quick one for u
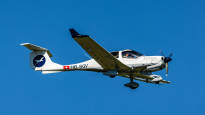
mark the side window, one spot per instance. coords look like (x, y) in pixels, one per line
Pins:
(128, 54)
(115, 54)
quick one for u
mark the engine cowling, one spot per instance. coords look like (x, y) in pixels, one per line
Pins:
(155, 67)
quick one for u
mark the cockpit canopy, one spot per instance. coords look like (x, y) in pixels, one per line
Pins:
(130, 54)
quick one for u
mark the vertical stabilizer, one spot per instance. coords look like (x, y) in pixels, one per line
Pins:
(40, 59)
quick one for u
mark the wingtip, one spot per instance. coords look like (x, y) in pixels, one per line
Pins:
(74, 33)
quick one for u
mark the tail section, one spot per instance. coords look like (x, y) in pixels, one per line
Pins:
(40, 59)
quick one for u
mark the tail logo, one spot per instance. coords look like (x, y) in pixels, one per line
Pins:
(39, 61)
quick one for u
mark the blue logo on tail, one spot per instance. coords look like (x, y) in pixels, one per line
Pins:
(39, 61)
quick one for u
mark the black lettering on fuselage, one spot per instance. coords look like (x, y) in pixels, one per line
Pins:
(81, 66)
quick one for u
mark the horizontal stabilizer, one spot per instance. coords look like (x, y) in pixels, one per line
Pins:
(36, 48)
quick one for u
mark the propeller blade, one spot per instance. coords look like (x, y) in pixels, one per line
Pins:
(166, 69)
(166, 60)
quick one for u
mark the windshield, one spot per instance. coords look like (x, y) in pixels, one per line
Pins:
(131, 54)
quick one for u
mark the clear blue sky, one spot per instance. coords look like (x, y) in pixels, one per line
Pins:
(146, 26)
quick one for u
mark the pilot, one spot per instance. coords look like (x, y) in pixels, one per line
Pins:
(127, 55)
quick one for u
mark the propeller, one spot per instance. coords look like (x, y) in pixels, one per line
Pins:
(166, 60)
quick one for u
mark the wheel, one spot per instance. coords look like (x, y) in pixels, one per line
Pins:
(112, 76)
(157, 82)
(132, 85)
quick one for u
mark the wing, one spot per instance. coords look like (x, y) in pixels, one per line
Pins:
(104, 58)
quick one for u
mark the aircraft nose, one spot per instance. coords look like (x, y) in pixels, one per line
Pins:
(156, 59)
(166, 59)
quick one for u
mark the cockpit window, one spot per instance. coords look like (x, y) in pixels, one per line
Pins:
(131, 54)
(115, 54)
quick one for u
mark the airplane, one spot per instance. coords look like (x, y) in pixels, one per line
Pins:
(125, 63)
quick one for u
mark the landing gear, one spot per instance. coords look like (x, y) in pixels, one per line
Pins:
(112, 76)
(132, 84)
(157, 82)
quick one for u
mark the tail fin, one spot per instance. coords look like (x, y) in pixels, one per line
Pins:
(40, 59)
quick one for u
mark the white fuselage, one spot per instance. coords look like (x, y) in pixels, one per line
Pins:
(153, 63)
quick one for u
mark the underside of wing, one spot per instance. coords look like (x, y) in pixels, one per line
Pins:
(101, 56)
